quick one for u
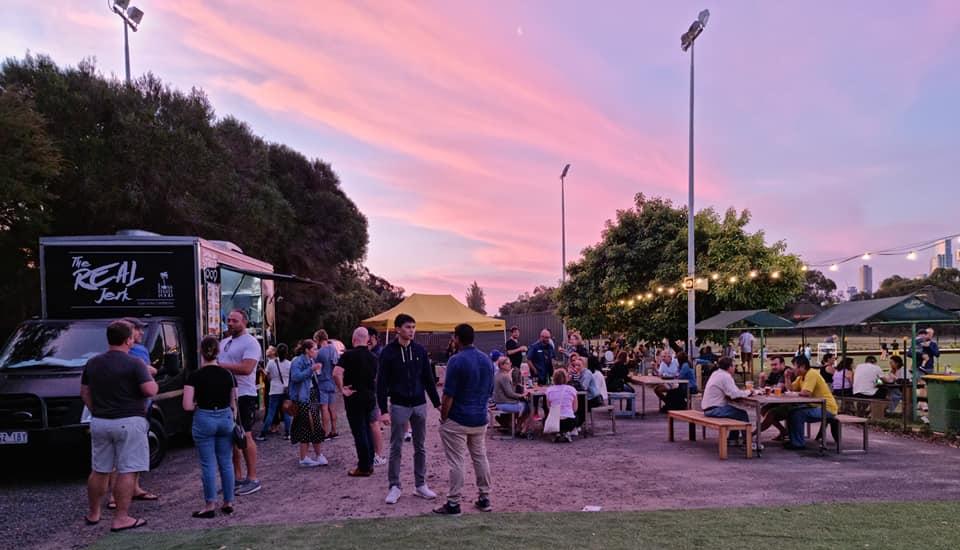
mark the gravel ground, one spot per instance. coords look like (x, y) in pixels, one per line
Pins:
(43, 504)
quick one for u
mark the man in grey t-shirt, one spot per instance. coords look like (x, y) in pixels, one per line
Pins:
(115, 387)
(239, 353)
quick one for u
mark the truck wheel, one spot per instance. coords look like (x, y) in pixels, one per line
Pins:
(158, 442)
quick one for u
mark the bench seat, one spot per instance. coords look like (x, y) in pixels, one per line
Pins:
(723, 425)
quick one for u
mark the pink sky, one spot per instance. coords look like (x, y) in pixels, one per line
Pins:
(449, 122)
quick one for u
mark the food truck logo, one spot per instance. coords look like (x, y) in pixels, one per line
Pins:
(164, 288)
(112, 281)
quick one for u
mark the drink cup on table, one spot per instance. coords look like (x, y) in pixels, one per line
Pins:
(749, 385)
(778, 390)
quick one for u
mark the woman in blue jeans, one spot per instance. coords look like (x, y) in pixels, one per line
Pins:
(211, 393)
(278, 372)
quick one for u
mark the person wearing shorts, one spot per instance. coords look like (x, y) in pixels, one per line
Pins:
(115, 388)
(240, 353)
(327, 356)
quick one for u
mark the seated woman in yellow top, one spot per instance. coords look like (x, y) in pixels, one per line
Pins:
(810, 384)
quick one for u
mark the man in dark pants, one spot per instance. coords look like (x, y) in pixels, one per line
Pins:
(355, 378)
(405, 376)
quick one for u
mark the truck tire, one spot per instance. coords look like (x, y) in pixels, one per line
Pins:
(157, 438)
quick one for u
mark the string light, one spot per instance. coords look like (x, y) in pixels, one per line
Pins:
(630, 303)
(912, 256)
(733, 279)
(671, 290)
(649, 296)
(804, 268)
(659, 290)
(621, 302)
(715, 276)
(639, 297)
(834, 267)
(775, 275)
(753, 273)
(866, 256)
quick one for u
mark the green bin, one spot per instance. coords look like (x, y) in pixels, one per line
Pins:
(943, 398)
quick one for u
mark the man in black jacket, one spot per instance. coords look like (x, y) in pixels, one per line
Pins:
(405, 376)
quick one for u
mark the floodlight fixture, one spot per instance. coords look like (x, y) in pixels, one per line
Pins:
(134, 15)
(121, 4)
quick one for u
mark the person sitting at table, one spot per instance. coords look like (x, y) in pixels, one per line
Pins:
(778, 373)
(828, 367)
(866, 378)
(720, 395)
(897, 375)
(843, 378)
(506, 397)
(563, 397)
(618, 379)
(667, 368)
(707, 357)
(583, 380)
(810, 384)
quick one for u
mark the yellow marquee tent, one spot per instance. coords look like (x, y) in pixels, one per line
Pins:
(435, 313)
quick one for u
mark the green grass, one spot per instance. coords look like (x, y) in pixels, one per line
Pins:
(928, 526)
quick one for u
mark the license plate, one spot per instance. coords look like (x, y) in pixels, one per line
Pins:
(13, 438)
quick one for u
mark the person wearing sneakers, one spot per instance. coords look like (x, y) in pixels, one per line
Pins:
(463, 419)
(406, 378)
(355, 377)
(327, 356)
(239, 353)
(307, 427)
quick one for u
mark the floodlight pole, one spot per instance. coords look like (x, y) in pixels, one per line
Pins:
(691, 267)
(563, 245)
(126, 48)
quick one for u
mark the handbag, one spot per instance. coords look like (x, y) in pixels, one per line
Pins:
(289, 406)
(239, 436)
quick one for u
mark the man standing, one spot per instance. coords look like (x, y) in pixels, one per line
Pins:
(404, 376)
(114, 387)
(746, 351)
(540, 356)
(239, 353)
(463, 419)
(515, 351)
(328, 357)
(355, 376)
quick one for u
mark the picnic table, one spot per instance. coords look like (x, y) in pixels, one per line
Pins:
(644, 381)
(760, 400)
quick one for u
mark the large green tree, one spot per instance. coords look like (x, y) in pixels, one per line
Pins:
(149, 156)
(476, 299)
(542, 299)
(645, 248)
(946, 279)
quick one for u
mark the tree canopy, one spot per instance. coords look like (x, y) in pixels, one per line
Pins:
(543, 299)
(645, 247)
(81, 154)
(476, 299)
(946, 279)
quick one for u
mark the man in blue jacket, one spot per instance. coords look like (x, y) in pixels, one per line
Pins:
(405, 377)
(540, 355)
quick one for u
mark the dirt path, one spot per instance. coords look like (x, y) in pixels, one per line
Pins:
(635, 470)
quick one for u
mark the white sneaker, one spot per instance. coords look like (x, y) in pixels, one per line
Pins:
(393, 495)
(424, 492)
(757, 446)
(379, 460)
(408, 436)
(308, 463)
(321, 460)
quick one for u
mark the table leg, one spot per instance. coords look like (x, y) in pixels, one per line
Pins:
(823, 426)
(689, 403)
(759, 424)
(643, 400)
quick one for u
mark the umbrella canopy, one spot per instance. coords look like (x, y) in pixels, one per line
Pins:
(746, 318)
(435, 313)
(895, 310)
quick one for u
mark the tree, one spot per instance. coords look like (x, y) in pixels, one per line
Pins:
(543, 299)
(645, 247)
(476, 299)
(946, 279)
(819, 289)
(152, 157)
(29, 165)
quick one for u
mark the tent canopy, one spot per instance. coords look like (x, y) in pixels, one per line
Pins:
(895, 310)
(746, 318)
(435, 313)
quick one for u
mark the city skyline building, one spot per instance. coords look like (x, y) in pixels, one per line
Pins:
(866, 279)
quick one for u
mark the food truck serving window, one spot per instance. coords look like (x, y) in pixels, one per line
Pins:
(242, 291)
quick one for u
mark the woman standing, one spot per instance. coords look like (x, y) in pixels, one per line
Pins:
(278, 373)
(211, 392)
(307, 425)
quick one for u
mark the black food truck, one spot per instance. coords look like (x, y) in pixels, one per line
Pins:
(181, 287)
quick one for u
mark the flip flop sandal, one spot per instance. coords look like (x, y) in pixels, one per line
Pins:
(136, 524)
(146, 496)
(89, 521)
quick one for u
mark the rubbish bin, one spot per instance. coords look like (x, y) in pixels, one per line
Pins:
(943, 399)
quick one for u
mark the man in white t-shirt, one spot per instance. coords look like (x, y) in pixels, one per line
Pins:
(746, 351)
(865, 378)
(240, 353)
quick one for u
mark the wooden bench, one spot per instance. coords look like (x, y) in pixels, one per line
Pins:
(846, 419)
(496, 411)
(723, 425)
(601, 409)
(628, 397)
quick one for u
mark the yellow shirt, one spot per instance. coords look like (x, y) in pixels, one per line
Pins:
(813, 383)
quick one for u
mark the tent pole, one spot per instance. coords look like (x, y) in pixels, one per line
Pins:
(916, 371)
(843, 342)
(763, 345)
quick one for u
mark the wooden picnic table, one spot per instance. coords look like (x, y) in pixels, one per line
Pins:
(541, 392)
(760, 400)
(644, 381)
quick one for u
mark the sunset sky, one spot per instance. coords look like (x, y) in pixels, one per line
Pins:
(449, 122)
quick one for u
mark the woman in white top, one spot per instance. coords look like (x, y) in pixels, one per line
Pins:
(563, 397)
(278, 373)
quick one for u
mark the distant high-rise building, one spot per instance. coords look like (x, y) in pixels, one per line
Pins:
(866, 279)
(943, 258)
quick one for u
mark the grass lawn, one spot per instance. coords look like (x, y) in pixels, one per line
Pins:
(925, 525)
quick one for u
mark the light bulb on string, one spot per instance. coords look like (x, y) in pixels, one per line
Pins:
(753, 273)
(912, 256)
(804, 268)
(834, 267)
(630, 303)
(659, 290)
(715, 276)
(621, 302)
(733, 279)
(671, 290)
(866, 257)
(649, 296)
(639, 297)
(775, 275)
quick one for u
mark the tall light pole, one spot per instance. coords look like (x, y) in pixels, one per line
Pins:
(131, 17)
(686, 43)
(563, 242)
